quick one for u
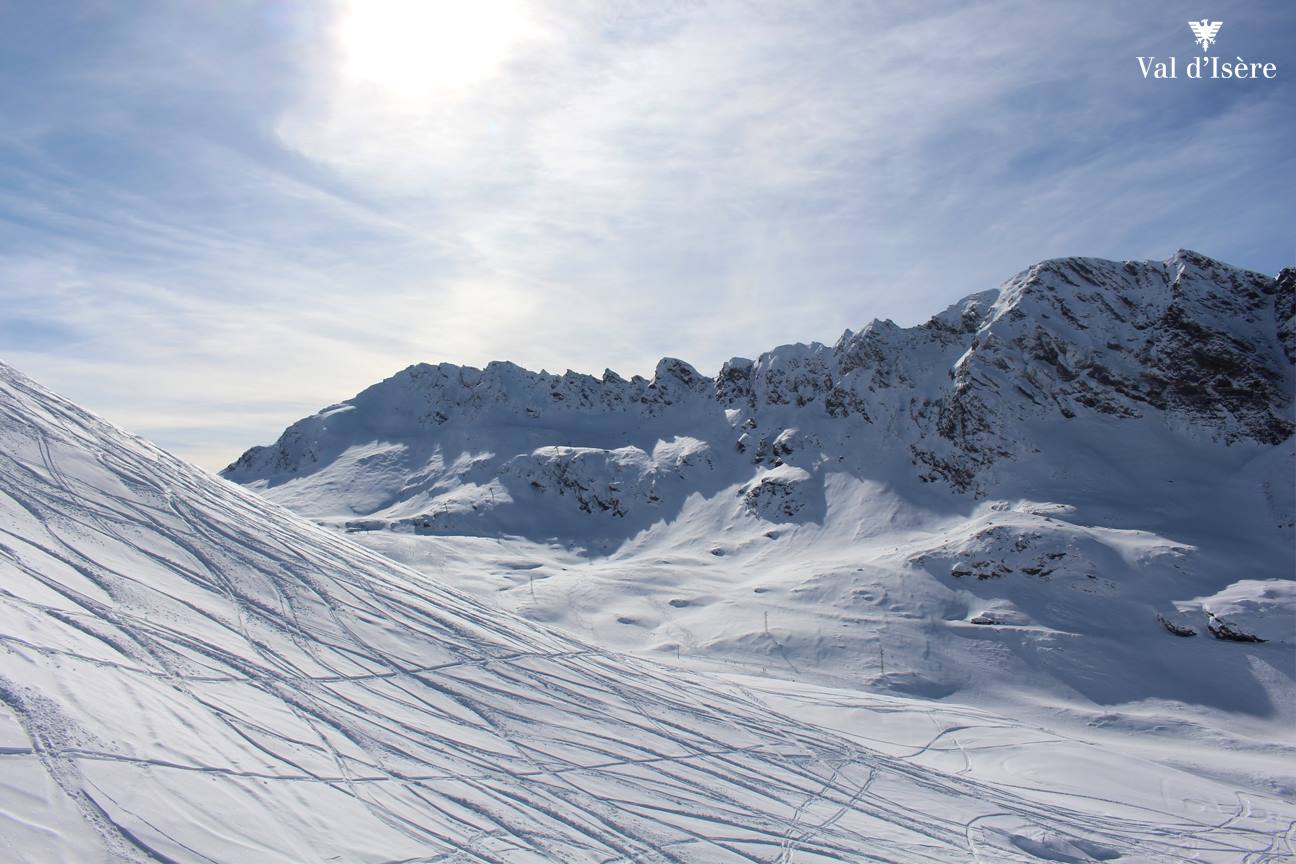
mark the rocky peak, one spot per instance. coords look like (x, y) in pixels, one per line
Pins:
(1190, 337)
(733, 386)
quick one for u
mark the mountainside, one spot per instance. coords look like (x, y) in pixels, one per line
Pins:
(188, 673)
(1042, 483)
(1191, 345)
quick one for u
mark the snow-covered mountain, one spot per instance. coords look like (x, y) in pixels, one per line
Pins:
(1041, 484)
(1190, 344)
(189, 673)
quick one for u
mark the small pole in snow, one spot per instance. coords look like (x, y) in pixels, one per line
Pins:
(766, 622)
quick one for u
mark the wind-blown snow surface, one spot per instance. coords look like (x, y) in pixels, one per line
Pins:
(188, 673)
(1022, 496)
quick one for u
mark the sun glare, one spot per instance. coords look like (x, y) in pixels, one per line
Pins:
(416, 47)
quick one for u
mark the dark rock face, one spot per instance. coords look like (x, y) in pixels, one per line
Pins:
(1285, 311)
(1193, 340)
(776, 497)
(1176, 629)
(733, 386)
(1206, 357)
(1226, 632)
(1190, 343)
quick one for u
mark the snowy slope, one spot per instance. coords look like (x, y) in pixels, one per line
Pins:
(1013, 496)
(188, 673)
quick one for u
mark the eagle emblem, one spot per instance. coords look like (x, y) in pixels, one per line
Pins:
(1205, 31)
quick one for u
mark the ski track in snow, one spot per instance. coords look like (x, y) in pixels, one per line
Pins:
(188, 673)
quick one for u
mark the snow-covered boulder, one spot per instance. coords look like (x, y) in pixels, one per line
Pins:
(1249, 610)
(779, 494)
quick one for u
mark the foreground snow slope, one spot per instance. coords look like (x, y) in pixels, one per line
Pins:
(188, 673)
(1013, 496)
(191, 674)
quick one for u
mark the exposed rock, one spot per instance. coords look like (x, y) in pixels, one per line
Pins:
(1176, 629)
(1227, 632)
(777, 494)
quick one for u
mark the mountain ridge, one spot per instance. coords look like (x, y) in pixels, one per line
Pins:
(1201, 346)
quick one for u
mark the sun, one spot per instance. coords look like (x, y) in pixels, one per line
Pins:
(415, 48)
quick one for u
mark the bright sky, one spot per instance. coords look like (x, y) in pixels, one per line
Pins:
(217, 217)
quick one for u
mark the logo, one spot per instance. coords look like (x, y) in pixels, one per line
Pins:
(1205, 31)
(1206, 65)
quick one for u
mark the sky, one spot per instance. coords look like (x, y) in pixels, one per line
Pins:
(218, 217)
